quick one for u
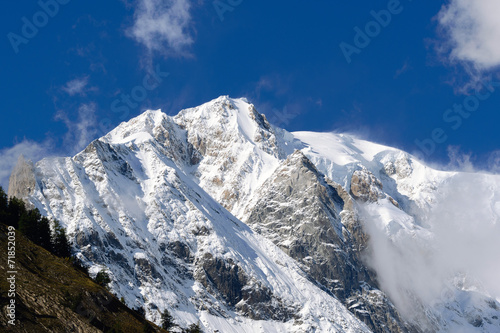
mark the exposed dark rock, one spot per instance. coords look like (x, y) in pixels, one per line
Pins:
(226, 276)
(172, 138)
(181, 250)
(113, 241)
(314, 221)
(91, 237)
(119, 259)
(249, 297)
(145, 270)
(201, 231)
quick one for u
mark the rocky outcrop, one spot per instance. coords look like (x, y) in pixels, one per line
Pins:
(300, 212)
(22, 179)
(313, 220)
(247, 296)
(365, 186)
(401, 167)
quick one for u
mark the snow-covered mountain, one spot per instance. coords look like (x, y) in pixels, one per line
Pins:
(217, 215)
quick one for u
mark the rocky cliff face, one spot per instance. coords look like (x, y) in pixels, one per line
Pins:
(313, 220)
(22, 179)
(217, 215)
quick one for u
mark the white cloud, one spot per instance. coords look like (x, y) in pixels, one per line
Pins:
(472, 32)
(163, 25)
(76, 86)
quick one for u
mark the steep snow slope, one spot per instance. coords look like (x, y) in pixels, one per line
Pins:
(159, 203)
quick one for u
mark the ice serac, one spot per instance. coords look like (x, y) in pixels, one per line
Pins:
(219, 216)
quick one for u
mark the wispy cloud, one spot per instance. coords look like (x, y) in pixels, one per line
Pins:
(77, 86)
(471, 31)
(80, 131)
(163, 26)
(406, 66)
(494, 162)
(459, 160)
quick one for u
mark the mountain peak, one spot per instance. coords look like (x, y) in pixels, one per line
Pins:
(226, 118)
(140, 128)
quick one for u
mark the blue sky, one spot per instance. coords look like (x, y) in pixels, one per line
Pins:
(68, 65)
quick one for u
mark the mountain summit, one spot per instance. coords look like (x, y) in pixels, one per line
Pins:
(219, 216)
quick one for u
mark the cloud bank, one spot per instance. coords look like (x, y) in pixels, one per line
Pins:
(453, 264)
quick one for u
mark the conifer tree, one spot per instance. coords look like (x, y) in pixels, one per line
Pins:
(28, 220)
(102, 278)
(194, 328)
(4, 205)
(167, 321)
(16, 209)
(60, 245)
(37, 228)
(43, 234)
(4, 202)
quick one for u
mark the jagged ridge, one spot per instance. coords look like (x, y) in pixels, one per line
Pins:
(160, 201)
